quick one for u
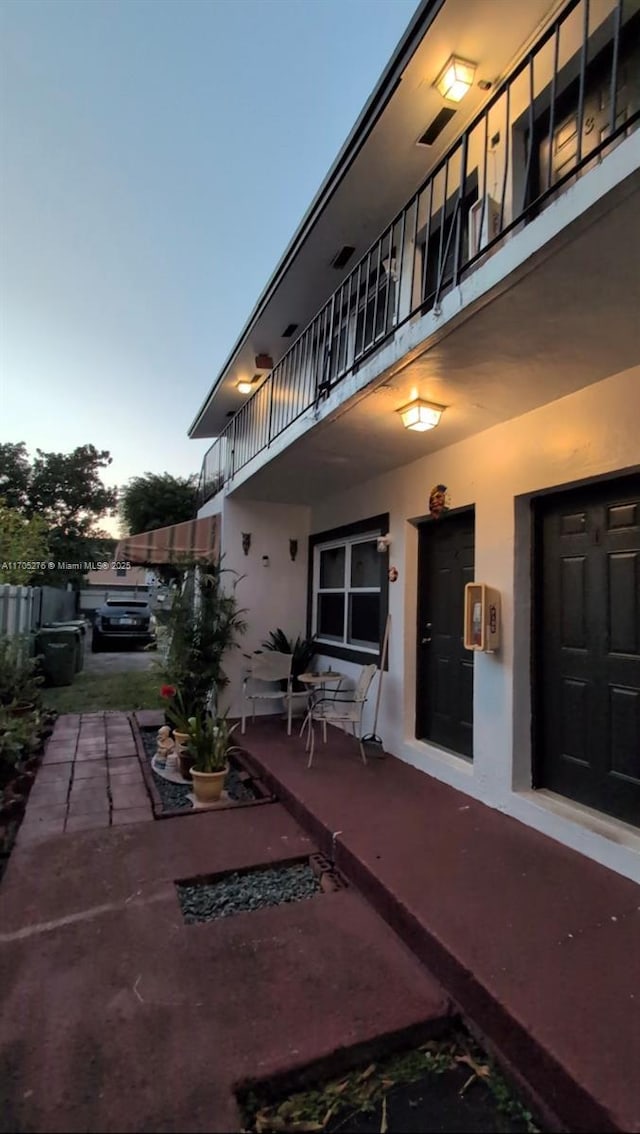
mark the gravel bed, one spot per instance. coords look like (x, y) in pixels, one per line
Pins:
(252, 890)
(174, 796)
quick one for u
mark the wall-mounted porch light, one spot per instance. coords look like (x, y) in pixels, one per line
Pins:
(455, 79)
(420, 415)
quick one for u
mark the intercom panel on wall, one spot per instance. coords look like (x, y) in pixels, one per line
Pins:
(481, 617)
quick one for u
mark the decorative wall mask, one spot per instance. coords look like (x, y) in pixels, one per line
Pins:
(293, 549)
(438, 501)
(393, 574)
(246, 542)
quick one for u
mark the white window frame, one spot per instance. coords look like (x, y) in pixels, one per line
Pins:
(346, 542)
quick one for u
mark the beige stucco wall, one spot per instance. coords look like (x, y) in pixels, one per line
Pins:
(588, 434)
(274, 592)
(108, 578)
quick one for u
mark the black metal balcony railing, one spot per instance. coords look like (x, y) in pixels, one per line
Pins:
(570, 100)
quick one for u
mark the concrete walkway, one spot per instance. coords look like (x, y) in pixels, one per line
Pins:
(90, 778)
(120, 660)
(539, 946)
(117, 1016)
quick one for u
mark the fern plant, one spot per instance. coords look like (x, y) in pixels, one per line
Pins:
(303, 650)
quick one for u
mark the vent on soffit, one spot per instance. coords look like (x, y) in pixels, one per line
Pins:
(289, 329)
(437, 126)
(342, 257)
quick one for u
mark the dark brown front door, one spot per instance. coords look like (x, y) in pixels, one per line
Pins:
(588, 647)
(444, 708)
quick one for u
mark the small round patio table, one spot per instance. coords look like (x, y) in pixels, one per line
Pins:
(318, 682)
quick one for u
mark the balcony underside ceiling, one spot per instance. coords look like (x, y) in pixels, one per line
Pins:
(572, 321)
(387, 170)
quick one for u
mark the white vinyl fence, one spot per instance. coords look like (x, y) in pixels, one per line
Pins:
(19, 609)
(90, 598)
(23, 609)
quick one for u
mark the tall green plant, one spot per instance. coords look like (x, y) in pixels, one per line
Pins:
(206, 622)
(209, 743)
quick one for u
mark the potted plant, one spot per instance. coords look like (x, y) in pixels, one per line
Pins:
(209, 747)
(303, 650)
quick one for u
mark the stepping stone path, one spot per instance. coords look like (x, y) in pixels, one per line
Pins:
(90, 778)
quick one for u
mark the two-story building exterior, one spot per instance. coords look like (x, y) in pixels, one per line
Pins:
(458, 317)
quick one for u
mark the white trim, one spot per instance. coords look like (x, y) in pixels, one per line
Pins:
(347, 542)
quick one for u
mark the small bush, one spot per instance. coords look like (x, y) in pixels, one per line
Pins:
(19, 679)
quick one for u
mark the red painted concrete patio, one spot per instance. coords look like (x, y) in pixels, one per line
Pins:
(117, 1016)
(539, 946)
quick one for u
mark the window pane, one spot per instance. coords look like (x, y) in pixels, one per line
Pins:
(332, 567)
(364, 620)
(365, 564)
(331, 617)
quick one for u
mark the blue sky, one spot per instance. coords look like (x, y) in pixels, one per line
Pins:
(156, 157)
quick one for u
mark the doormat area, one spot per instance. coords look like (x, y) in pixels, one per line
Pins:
(207, 899)
(172, 796)
(446, 1085)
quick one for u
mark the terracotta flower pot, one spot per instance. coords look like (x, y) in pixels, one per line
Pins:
(185, 759)
(207, 786)
(22, 710)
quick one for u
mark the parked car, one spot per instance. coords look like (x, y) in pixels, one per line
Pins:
(123, 620)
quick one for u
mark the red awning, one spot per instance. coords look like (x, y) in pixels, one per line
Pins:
(179, 543)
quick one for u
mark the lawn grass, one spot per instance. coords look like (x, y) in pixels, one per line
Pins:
(94, 692)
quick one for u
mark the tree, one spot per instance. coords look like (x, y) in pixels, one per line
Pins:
(15, 472)
(66, 492)
(22, 542)
(157, 500)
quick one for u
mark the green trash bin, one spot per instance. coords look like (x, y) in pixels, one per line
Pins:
(80, 625)
(59, 662)
(68, 636)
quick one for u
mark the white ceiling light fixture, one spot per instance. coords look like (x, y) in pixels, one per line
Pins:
(455, 79)
(244, 387)
(420, 415)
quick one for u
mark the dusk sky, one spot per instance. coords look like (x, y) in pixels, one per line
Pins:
(156, 157)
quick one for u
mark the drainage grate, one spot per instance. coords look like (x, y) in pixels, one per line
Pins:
(207, 899)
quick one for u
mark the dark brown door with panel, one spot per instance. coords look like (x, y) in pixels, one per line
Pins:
(587, 653)
(444, 703)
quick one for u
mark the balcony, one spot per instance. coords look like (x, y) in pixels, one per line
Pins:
(569, 102)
